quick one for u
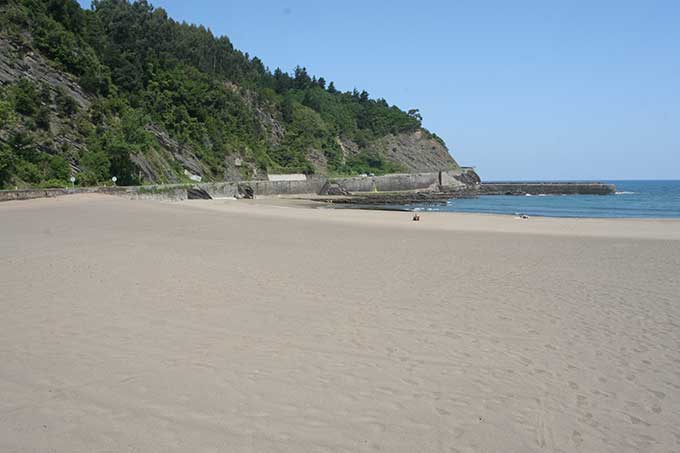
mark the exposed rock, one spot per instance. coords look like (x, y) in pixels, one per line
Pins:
(154, 166)
(318, 160)
(196, 193)
(419, 151)
(245, 191)
(17, 62)
(275, 130)
(184, 155)
(348, 147)
(398, 198)
(469, 177)
(333, 188)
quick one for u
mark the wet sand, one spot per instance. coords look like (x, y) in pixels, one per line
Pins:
(266, 326)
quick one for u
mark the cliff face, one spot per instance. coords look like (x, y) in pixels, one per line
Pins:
(419, 151)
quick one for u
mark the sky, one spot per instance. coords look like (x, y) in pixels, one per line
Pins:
(519, 90)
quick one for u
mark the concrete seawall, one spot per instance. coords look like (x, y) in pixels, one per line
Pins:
(548, 188)
(389, 183)
(314, 184)
(28, 194)
(449, 179)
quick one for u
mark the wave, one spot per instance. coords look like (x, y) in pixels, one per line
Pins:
(624, 192)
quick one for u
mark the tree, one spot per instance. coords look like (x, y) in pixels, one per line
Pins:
(302, 79)
(22, 143)
(331, 88)
(7, 116)
(42, 118)
(321, 82)
(65, 103)
(25, 97)
(363, 97)
(120, 164)
(45, 94)
(94, 167)
(7, 160)
(58, 168)
(415, 113)
(281, 81)
(287, 107)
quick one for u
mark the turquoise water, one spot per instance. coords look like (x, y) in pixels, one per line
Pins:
(633, 199)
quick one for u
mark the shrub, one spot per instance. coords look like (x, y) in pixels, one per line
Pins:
(27, 171)
(65, 103)
(25, 97)
(42, 118)
(58, 168)
(7, 160)
(94, 168)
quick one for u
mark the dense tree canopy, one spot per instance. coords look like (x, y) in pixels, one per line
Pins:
(142, 67)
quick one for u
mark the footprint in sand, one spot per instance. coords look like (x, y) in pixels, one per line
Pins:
(577, 438)
(660, 395)
(638, 421)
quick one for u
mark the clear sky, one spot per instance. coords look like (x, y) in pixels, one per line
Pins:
(521, 90)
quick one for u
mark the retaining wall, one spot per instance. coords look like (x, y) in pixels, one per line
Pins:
(27, 194)
(389, 183)
(312, 185)
(404, 181)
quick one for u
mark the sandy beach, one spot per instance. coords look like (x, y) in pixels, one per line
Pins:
(266, 326)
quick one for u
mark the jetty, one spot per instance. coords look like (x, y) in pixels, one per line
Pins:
(546, 188)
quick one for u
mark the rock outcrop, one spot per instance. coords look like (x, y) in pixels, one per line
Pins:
(197, 193)
(17, 62)
(418, 151)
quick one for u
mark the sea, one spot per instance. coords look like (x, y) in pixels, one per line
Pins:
(633, 199)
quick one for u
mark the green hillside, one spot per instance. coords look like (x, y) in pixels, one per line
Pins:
(124, 90)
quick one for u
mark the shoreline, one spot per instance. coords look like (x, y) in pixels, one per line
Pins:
(293, 207)
(322, 202)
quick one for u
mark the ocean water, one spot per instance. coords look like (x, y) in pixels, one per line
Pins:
(633, 199)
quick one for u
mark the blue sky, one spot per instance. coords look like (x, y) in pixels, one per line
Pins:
(521, 90)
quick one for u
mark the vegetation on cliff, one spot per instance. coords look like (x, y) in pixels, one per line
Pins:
(146, 77)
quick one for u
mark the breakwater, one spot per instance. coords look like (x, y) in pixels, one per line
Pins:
(548, 188)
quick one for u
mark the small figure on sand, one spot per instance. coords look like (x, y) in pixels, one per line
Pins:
(416, 217)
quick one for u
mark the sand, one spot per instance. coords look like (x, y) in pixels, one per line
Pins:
(142, 326)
